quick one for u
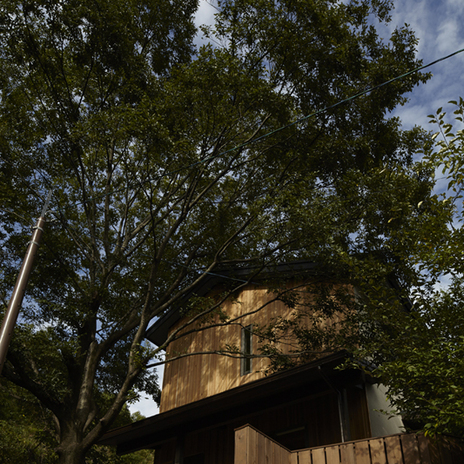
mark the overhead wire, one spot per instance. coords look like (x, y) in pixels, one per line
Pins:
(280, 129)
(269, 134)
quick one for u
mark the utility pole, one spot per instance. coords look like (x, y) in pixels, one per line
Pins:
(9, 321)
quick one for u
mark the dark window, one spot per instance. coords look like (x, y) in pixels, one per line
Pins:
(247, 349)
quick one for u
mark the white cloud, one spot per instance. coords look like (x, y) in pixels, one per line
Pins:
(204, 17)
(437, 25)
(448, 36)
(205, 12)
(455, 7)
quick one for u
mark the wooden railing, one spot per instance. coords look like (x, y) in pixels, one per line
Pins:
(253, 447)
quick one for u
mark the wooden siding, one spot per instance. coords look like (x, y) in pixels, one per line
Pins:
(251, 446)
(295, 424)
(192, 378)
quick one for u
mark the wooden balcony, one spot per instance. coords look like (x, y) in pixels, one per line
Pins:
(253, 447)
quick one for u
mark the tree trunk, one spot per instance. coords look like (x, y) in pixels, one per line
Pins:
(69, 454)
(71, 450)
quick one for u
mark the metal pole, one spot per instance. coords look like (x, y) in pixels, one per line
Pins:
(9, 321)
(340, 405)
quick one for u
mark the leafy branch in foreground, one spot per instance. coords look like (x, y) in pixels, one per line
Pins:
(418, 352)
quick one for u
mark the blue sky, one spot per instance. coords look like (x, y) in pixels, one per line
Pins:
(439, 26)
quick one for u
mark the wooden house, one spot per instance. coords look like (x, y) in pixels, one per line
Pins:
(218, 409)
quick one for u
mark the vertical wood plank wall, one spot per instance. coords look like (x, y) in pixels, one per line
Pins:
(217, 443)
(195, 377)
(252, 447)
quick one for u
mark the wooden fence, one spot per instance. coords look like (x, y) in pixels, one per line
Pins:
(253, 447)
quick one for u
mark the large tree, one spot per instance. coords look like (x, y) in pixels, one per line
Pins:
(169, 162)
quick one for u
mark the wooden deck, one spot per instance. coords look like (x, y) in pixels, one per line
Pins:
(253, 447)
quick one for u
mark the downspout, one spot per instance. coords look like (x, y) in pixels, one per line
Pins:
(341, 414)
(179, 453)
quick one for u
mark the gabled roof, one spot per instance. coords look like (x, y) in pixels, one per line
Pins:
(158, 332)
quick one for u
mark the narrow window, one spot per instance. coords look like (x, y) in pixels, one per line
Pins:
(247, 348)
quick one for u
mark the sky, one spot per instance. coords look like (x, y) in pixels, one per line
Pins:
(439, 26)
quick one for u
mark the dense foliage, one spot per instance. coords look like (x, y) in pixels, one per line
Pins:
(168, 162)
(28, 433)
(419, 353)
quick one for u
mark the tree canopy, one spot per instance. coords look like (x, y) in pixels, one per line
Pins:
(169, 161)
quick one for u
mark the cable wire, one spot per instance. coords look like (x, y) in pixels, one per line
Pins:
(280, 129)
(262, 137)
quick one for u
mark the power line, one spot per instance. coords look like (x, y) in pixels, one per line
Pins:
(269, 134)
(280, 129)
